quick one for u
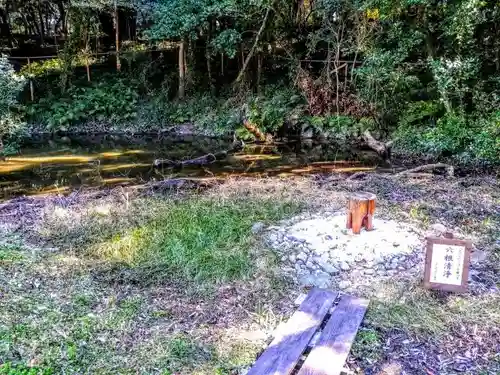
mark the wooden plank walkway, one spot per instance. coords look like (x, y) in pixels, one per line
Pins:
(284, 352)
(329, 353)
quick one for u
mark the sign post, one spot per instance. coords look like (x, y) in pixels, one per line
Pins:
(447, 264)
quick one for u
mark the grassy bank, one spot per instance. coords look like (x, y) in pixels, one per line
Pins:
(127, 283)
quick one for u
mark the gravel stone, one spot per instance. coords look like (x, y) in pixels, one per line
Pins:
(344, 284)
(328, 268)
(315, 248)
(258, 227)
(344, 266)
(302, 256)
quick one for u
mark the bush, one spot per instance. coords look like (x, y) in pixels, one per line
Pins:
(11, 86)
(486, 141)
(112, 100)
(469, 139)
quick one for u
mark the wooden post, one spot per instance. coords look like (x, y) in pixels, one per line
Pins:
(361, 209)
(32, 90)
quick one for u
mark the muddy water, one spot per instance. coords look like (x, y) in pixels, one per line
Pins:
(60, 165)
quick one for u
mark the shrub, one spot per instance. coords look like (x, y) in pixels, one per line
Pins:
(469, 139)
(486, 141)
(111, 100)
(275, 106)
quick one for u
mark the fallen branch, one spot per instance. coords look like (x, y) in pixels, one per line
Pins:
(429, 167)
(201, 160)
(357, 175)
(177, 183)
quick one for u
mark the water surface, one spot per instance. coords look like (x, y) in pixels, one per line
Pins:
(60, 165)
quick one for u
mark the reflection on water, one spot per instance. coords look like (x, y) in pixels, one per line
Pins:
(60, 165)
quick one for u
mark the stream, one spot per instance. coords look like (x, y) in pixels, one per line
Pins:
(60, 165)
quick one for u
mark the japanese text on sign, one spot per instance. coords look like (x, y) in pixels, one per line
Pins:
(447, 264)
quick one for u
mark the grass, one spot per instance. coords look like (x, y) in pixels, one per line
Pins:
(368, 345)
(129, 282)
(413, 309)
(204, 240)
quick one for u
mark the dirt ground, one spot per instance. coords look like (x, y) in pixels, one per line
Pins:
(70, 307)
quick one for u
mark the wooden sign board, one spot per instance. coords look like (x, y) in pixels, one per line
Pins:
(447, 264)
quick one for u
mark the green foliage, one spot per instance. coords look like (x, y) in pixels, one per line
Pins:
(452, 78)
(11, 86)
(43, 67)
(18, 369)
(385, 82)
(113, 100)
(270, 110)
(485, 143)
(226, 42)
(338, 128)
(471, 139)
(421, 113)
(368, 345)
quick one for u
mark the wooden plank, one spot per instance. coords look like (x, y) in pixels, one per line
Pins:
(331, 351)
(282, 355)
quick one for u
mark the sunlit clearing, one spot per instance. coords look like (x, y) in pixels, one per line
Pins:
(122, 248)
(115, 154)
(303, 170)
(13, 167)
(324, 357)
(344, 170)
(103, 209)
(348, 162)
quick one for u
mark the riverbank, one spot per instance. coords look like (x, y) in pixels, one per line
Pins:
(155, 281)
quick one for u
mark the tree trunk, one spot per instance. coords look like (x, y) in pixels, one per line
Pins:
(182, 70)
(209, 62)
(117, 37)
(5, 27)
(256, 42)
(42, 25)
(259, 71)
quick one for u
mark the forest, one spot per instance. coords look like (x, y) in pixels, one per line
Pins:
(420, 77)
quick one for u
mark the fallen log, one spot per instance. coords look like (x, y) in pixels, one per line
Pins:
(255, 131)
(201, 160)
(449, 169)
(383, 149)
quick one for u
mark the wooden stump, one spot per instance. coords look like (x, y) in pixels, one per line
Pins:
(360, 212)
